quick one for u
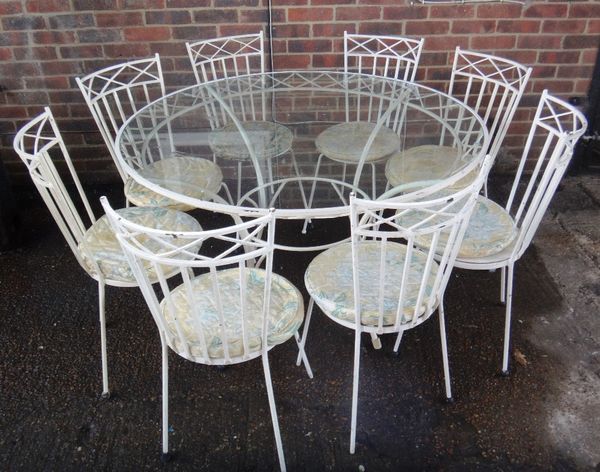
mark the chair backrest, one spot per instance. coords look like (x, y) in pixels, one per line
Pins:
(35, 143)
(117, 92)
(189, 254)
(230, 56)
(426, 229)
(548, 150)
(492, 86)
(388, 56)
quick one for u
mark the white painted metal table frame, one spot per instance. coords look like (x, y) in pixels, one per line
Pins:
(400, 95)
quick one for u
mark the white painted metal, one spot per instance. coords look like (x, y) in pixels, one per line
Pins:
(35, 144)
(398, 223)
(230, 56)
(548, 150)
(241, 246)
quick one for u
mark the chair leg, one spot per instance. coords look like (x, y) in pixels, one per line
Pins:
(509, 290)
(398, 339)
(267, 370)
(355, 379)
(444, 351)
(302, 342)
(503, 285)
(165, 456)
(376, 341)
(311, 195)
(101, 309)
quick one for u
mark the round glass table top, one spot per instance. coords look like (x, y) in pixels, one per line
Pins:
(299, 142)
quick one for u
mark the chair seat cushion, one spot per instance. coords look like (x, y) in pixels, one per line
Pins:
(286, 312)
(426, 162)
(329, 282)
(490, 230)
(190, 176)
(267, 138)
(345, 142)
(100, 244)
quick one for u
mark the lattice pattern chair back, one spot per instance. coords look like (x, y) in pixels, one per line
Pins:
(492, 86)
(388, 56)
(181, 313)
(230, 56)
(35, 143)
(417, 287)
(117, 92)
(548, 150)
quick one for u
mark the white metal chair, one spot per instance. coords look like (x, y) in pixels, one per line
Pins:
(231, 57)
(497, 236)
(493, 87)
(226, 310)
(382, 282)
(92, 241)
(117, 92)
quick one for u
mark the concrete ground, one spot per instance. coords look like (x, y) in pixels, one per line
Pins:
(546, 415)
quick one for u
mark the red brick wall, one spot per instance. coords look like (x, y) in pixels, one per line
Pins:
(45, 44)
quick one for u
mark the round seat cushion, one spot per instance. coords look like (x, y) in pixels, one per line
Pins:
(345, 142)
(329, 281)
(428, 162)
(190, 176)
(286, 312)
(100, 244)
(267, 138)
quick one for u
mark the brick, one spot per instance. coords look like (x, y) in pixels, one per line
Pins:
(119, 19)
(215, 16)
(23, 23)
(452, 11)
(35, 53)
(46, 6)
(142, 4)
(470, 26)
(357, 13)
(547, 10)
(230, 30)
(18, 69)
(129, 50)
(581, 42)
(151, 33)
(10, 8)
(499, 11)
(6, 54)
(558, 57)
(525, 57)
(575, 71)
(79, 20)
(47, 83)
(446, 43)
(299, 30)
(174, 17)
(524, 26)
(563, 26)
(493, 42)
(188, 3)
(376, 27)
(544, 72)
(238, 3)
(328, 61)
(62, 68)
(434, 59)
(555, 86)
(404, 13)
(83, 52)
(593, 27)
(27, 97)
(292, 61)
(589, 56)
(194, 33)
(539, 42)
(582, 86)
(13, 38)
(280, 46)
(585, 10)
(253, 16)
(310, 45)
(310, 14)
(80, 5)
(13, 112)
(428, 27)
(53, 37)
(104, 35)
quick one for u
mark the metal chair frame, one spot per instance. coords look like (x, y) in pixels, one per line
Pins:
(558, 126)
(244, 246)
(443, 220)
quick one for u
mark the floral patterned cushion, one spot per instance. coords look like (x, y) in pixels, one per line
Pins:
(100, 244)
(345, 142)
(267, 138)
(187, 175)
(426, 163)
(329, 281)
(285, 315)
